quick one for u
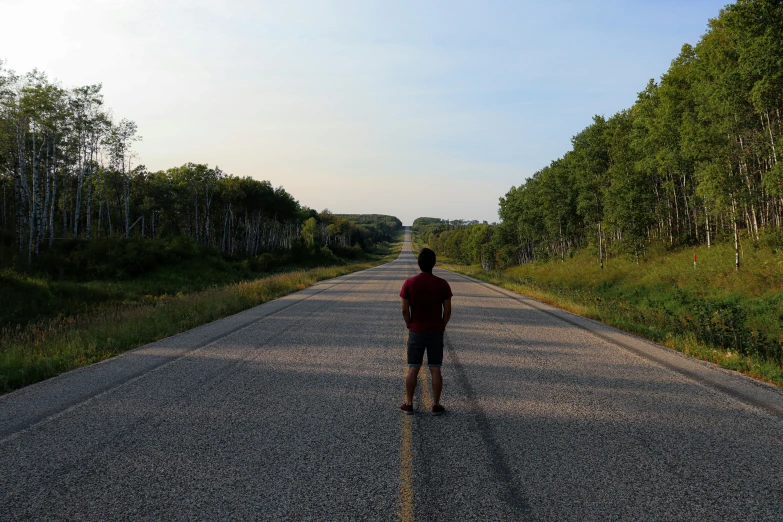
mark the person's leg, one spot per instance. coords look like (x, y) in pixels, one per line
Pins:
(437, 384)
(410, 383)
(415, 358)
(434, 361)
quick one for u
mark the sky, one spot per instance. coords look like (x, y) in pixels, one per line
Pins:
(432, 108)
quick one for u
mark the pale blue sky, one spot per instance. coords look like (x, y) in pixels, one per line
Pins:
(406, 108)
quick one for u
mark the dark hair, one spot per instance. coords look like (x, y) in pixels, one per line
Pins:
(426, 259)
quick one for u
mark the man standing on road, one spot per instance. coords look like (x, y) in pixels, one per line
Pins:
(426, 308)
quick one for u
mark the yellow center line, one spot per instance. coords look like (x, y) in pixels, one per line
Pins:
(406, 472)
(406, 501)
(405, 495)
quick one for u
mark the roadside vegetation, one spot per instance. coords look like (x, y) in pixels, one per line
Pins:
(100, 319)
(709, 311)
(609, 230)
(693, 162)
(75, 276)
(69, 175)
(98, 254)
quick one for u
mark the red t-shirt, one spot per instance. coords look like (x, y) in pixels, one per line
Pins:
(426, 293)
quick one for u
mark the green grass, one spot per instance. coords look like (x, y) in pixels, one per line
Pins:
(712, 312)
(34, 297)
(130, 318)
(81, 276)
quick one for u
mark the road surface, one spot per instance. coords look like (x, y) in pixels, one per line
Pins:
(289, 411)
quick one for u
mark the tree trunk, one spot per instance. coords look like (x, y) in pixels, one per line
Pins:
(126, 191)
(89, 193)
(195, 216)
(600, 247)
(736, 233)
(33, 202)
(65, 203)
(100, 218)
(108, 217)
(140, 218)
(54, 204)
(562, 245)
(47, 181)
(24, 190)
(771, 138)
(79, 188)
(707, 217)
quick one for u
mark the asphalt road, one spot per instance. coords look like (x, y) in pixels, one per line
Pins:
(289, 411)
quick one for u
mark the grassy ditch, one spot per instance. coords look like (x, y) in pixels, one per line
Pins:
(712, 312)
(47, 347)
(77, 277)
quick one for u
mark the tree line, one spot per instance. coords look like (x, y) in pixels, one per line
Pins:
(692, 161)
(68, 171)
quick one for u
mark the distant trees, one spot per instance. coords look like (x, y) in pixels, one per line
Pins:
(344, 230)
(239, 216)
(372, 227)
(695, 158)
(464, 241)
(68, 171)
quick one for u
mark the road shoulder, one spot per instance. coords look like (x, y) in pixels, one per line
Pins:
(754, 393)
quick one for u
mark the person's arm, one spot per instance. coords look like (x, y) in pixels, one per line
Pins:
(446, 312)
(406, 312)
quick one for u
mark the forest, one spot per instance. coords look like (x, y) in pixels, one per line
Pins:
(69, 178)
(98, 254)
(692, 162)
(612, 229)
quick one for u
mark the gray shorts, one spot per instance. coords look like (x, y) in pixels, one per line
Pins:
(431, 342)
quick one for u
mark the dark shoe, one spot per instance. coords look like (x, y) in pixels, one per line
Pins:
(438, 409)
(407, 408)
